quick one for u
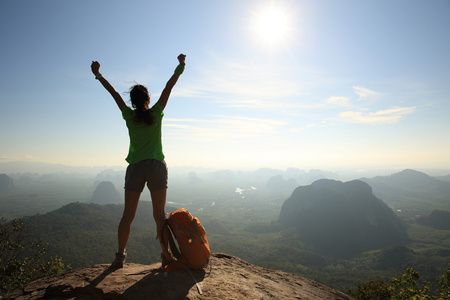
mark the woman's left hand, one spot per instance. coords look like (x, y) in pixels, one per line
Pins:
(181, 59)
(95, 67)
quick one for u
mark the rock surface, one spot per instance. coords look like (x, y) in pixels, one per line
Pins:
(228, 277)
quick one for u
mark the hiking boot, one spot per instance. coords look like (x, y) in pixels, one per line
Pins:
(118, 261)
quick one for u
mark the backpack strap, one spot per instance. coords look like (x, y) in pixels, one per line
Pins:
(165, 250)
(173, 256)
(173, 247)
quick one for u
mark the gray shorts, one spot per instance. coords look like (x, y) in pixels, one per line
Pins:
(150, 171)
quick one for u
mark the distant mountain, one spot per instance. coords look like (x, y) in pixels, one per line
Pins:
(194, 179)
(409, 179)
(412, 192)
(438, 219)
(278, 183)
(6, 183)
(106, 193)
(341, 219)
(46, 168)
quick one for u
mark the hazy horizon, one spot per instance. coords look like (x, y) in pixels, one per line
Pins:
(42, 168)
(348, 85)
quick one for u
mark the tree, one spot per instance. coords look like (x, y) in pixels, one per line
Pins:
(373, 290)
(21, 259)
(406, 286)
(403, 287)
(444, 284)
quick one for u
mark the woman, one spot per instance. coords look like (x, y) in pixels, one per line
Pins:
(145, 156)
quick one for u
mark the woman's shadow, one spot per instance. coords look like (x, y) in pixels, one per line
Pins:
(154, 285)
(175, 285)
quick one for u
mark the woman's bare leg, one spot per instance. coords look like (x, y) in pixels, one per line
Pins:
(159, 211)
(129, 211)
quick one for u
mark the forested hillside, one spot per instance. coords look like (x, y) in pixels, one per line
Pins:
(411, 192)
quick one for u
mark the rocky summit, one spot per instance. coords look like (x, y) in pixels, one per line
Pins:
(227, 277)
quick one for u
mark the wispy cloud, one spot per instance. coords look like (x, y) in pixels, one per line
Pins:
(287, 107)
(363, 92)
(247, 85)
(29, 157)
(224, 128)
(388, 116)
(339, 101)
(18, 157)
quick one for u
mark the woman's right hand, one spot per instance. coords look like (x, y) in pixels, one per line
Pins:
(95, 67)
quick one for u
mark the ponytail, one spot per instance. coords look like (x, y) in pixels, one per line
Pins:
(140, 98)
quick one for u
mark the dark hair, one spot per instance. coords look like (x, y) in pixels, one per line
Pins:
(139, 98)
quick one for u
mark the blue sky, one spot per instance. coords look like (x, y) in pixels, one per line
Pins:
(328, 85)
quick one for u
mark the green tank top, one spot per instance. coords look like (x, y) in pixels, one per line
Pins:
(145, 140)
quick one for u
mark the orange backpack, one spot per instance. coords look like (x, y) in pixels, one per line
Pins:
(193, 247)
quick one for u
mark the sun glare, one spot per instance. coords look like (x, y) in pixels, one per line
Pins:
(271, 25)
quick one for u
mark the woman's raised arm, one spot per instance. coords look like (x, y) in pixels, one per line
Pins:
(172, 81)
(95, 67)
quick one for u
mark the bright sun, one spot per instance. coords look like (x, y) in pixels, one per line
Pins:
(272, 25)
